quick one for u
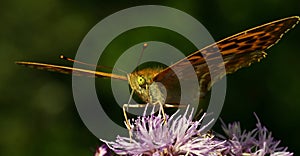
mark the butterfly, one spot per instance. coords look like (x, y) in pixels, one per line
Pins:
(238, 51)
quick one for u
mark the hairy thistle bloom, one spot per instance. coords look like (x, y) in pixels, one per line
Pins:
(258, 142)
(103, 151)
(182, 136)
(179, 136)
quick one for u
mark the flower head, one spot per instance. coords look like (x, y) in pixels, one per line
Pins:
(258, 142)
(179, 136)
(103, 150)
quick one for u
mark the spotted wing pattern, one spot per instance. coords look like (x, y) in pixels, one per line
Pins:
(71, 70)
(237, 51)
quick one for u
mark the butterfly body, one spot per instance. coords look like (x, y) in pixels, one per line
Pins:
(161, 85)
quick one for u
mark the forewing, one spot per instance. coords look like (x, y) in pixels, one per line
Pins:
(70, 70)
(237, 51)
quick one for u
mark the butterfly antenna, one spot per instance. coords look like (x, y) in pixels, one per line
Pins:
(142, 53)
(91, 65)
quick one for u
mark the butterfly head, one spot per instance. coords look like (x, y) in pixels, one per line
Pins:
(140, 81)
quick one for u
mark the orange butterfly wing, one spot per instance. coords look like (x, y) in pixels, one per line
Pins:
(239, 50)
(71, 70)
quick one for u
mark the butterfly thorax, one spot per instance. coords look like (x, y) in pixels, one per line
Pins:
(141, 82)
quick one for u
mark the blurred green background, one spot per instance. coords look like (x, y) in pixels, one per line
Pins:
(38, 115)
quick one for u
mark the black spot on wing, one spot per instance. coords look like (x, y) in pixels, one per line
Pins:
(244, 47)
(251, 41)
(244, 39)
(265, 38)
(232, 46)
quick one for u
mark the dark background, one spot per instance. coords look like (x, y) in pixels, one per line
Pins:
(37, 112)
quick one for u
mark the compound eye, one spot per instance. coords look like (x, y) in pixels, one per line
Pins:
(141, 81)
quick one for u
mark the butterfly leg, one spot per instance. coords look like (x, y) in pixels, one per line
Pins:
(125, 108)
(167, 106)
(161, 110)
